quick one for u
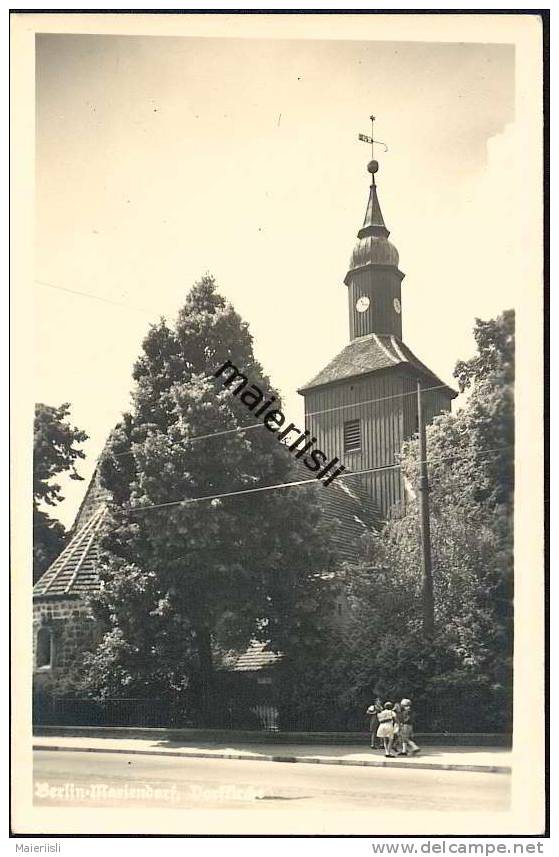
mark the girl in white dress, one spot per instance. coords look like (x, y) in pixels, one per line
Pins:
(386, 719)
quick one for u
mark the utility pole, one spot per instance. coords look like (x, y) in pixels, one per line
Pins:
(428, 600)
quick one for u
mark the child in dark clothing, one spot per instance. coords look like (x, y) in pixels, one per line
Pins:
(373, 711)
(406, 728)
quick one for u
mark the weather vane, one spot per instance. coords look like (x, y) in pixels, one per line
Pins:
(366, 139)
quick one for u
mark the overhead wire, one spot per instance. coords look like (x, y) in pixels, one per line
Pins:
(314, 481)
(238, 429)
(282, 485)
(95, 297)
(221, 433)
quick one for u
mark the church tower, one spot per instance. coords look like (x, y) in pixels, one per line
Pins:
(374, 280)
(363, 405)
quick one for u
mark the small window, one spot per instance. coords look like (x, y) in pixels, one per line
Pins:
(44, 647)
(352, 435)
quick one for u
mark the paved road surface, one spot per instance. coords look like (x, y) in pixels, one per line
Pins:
(79, 779)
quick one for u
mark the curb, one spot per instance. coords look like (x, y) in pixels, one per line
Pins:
(306, 760)
(240, 736)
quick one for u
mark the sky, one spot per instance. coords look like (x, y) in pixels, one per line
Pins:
(159, 159)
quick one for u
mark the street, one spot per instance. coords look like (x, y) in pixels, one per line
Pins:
(79, 779)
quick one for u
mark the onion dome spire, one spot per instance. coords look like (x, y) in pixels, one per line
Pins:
(374, 221)
(372, 247)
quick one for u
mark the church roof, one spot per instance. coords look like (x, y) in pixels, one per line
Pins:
(345, 503)
(372, 353)
(256, 657)
(350, 507)
(95, 498)
(75, 571)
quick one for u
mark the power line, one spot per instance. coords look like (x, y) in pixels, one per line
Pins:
(96, 298)
(314, 481)
(239, 428)
(380, 399)
(198, 437)
(156, 313)
(195, 438)
(430, 458)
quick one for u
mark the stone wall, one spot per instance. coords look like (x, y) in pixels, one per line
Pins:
(72, 631)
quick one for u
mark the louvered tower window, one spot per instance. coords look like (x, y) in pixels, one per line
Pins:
(352, 435)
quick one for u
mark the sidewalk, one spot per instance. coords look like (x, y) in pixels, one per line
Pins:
(479, 759)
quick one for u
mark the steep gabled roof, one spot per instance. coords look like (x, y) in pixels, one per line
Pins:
(256, 657)
(372, 353)
(347, 505)
(75, 571)
(344, 502)
(94, 499)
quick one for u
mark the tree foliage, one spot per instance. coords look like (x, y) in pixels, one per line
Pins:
(462, 679)
(186, 578)
(55, 451)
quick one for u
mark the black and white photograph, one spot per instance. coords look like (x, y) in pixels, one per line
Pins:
(277, 441)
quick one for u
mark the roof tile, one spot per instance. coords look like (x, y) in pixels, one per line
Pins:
(367, 354)
(75, 571)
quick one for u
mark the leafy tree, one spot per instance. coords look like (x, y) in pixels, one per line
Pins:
(495, 358)
(186, 580)
(489, 376)
(55, 451)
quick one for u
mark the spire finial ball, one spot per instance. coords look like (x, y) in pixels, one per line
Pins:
(372, 167)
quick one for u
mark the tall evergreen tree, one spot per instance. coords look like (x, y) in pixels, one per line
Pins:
(184, 580)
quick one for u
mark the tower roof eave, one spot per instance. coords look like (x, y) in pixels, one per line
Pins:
(377, 266)
(369, 354)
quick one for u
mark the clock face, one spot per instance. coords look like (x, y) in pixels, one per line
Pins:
(362, 303)
(397, 306)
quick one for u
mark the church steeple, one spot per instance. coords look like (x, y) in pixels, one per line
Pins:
(373, 279)
(374, 221)
(362, 405)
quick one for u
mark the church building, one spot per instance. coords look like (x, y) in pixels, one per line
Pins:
(361, 407)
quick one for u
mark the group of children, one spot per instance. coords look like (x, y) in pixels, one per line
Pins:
(393, 726)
